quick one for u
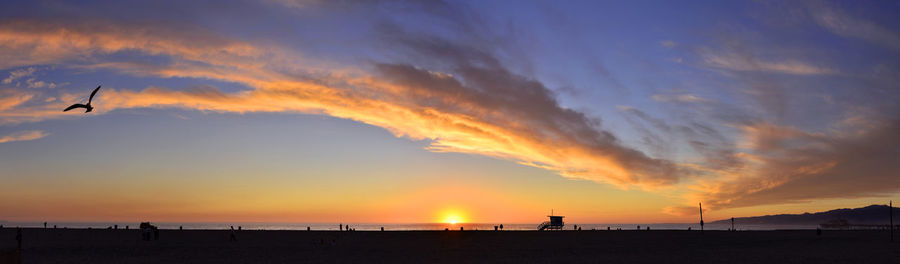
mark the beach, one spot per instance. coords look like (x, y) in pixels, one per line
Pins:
(622, 246)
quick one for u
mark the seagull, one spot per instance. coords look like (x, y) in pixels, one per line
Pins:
(87, 106)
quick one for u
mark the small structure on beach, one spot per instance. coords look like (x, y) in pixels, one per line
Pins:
(555, 223)
(147, 230)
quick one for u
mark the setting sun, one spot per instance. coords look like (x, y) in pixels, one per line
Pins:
(452, 220)
(452, 217)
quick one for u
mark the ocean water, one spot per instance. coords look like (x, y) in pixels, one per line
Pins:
(400, 227)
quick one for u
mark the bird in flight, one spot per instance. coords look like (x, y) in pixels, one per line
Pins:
(87, 106)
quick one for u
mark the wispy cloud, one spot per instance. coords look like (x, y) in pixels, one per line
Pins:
(18, 74)
(23, 136)
(842, 24)
(476, 107)
(737, 62)
(668, 44)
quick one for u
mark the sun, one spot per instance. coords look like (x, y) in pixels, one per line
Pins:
(451, 220)
(452, 217)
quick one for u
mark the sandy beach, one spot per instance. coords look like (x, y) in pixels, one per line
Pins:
(658, 246)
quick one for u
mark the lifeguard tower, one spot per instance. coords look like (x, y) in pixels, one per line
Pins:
(555, 223)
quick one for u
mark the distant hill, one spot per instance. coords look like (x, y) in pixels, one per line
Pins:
(869, 215)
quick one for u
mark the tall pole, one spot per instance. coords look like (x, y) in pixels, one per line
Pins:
(701, 216)
(891, 206)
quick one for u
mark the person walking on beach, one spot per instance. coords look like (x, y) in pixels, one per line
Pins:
(341, 226)
(501, 227)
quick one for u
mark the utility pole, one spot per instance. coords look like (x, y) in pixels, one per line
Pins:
(701, 217)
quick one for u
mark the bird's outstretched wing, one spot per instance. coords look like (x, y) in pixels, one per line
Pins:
(93, 93)
(75, 106)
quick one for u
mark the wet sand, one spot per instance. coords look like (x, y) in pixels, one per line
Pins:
(657, 246)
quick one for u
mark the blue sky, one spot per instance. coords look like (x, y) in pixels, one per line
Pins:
(321, 110)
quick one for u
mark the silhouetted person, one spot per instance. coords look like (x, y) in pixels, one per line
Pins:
(639, 227)
(574, 227)
(689, 228)
(239, 228)
(648, 228)
(180, 228)
(87, 107)
(579, 229)
(341, 227)
(45, 224)
(460, 228)
(126, 227)
(19, 239)
(54, 226)
(232, 237)
(501, 226)
(607, 228)
(382, 228)
(307, 228)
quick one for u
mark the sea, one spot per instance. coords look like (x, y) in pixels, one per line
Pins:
(398, 227)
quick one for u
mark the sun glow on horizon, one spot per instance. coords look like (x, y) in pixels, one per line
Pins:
(452, 217)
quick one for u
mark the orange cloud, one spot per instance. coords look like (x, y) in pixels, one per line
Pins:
(482, 110)
(23, 136)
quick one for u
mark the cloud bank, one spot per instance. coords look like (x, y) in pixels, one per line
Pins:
(478, 108)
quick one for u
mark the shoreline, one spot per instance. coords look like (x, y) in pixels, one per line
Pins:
(438, 246)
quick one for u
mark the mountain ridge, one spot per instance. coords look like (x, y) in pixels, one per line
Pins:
(869, 215)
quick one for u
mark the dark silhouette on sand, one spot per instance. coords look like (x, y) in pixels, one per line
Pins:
(87, 106)
(701, 217)
(148, 230)
(19, 239)
(555, 223)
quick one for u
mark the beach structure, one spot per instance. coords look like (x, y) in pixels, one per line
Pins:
(701, 217)
(147, 230)
(555, 223)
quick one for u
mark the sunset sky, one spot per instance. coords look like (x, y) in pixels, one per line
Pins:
(414, 111)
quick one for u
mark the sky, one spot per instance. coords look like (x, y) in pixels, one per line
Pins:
(426, 111)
